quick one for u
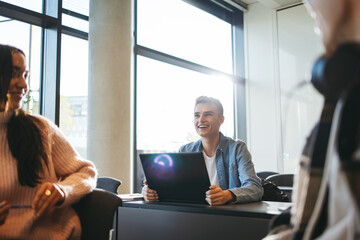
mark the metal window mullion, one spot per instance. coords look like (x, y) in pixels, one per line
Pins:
(74, 32)
(214, 7)
(136, 167)
(50, 102)
(239, 70)
(75, 14)
(24, 15)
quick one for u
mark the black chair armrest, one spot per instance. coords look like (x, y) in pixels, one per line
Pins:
(96, 211)
(108, 183)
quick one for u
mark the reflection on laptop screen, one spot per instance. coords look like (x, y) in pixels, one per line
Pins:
(177, 177)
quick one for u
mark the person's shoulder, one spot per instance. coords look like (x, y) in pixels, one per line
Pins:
(186, 147)
(231, 141)
(43, 123)
(190, 147)
(40, 118)
(239, 142)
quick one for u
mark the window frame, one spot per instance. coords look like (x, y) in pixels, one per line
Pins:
(50, 22)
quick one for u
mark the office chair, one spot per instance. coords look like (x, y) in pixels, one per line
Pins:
(282, 179)
(108, 183)
(96, 211)
(284, 182)
(265, 174)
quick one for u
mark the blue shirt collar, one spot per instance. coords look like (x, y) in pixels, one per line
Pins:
(222, 144)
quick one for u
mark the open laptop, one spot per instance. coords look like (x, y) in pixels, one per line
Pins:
(177, 177)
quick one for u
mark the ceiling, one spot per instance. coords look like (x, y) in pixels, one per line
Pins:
(249, 1)
(273, 3)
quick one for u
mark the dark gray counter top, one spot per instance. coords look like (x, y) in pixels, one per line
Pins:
(263, 209)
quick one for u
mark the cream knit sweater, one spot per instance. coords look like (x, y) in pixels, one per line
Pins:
(74, 175)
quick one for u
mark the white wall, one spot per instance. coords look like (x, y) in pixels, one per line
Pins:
(281, 48)
(299, 47)
(263, 115)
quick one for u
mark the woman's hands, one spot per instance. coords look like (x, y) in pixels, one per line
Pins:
(149, 194)
(4, 211)
(48, 196)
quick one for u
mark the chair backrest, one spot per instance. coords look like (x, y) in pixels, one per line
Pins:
(282, 179)
(265, 174)
(108, 183)
(96, 211)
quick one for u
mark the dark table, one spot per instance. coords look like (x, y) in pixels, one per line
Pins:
(139, 220)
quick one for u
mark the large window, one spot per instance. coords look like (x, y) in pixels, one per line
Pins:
(166, 97)
(199, 37)
(55, 43)
(73, 91)
(74, 73)
(182, 52)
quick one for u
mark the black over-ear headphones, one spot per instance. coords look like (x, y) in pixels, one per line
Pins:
(333, 75)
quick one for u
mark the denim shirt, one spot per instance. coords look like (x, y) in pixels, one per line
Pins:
(234, 167)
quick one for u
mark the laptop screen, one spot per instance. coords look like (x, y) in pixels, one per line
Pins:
(177, 177)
